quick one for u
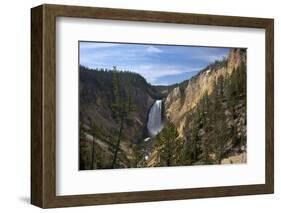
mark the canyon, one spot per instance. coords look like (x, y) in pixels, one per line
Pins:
(146, 109)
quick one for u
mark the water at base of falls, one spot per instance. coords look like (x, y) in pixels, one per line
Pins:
(155, 124)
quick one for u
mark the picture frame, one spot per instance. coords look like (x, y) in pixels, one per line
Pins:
(43, 105)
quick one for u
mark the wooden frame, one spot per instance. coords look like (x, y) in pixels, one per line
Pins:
(43, 121)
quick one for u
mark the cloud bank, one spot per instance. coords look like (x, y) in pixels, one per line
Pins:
(159, 64)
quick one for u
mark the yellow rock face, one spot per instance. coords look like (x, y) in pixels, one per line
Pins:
(178, 102)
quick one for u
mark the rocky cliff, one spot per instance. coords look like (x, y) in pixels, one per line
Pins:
(186, 96)
(205, 117)
(209, 112)
(105, 98)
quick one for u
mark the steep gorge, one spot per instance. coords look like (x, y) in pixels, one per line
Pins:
(186, 95)
(105, 96)
(209, 112)
(196, 111)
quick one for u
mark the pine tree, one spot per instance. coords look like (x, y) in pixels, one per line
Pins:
(82, 140)
(194, 143)
(122, 107)
(206, 128)
(116, 106)
(191, 150)
(220, 130)
(169, 145)
(94, 131)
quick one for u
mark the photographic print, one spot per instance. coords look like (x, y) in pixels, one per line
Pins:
(152, 105)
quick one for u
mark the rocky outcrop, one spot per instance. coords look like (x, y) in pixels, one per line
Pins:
(185, 96)
(234, 159)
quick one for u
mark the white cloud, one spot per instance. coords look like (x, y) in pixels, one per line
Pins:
(138, 59)
(153, 72)
(208, 55)
(152, 49)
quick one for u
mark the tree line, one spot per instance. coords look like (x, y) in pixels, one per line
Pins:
(213, 128)
(122, 106)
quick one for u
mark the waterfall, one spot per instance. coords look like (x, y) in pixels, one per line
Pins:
(154, 124)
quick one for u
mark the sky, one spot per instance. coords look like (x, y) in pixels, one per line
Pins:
(158, 64)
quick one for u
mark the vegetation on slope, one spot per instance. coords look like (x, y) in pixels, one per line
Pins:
(113, 114)
(215, 129)
(114, 106)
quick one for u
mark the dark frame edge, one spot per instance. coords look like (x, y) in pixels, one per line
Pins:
(157, 196)
(43, 110)
(156, 16)
(37, 190)
(269, 137)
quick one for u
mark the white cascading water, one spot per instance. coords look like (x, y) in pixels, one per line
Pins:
(154, 124)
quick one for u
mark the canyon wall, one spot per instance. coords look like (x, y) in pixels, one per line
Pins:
(185, 97)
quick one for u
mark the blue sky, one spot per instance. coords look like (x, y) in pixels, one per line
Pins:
(159, 64)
